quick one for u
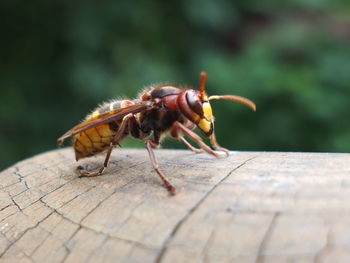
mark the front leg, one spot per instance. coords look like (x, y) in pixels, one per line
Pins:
(189, 146)
(176, 133)
(216, 146)
(195, 137)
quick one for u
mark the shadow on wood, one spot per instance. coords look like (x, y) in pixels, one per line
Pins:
(250, 207)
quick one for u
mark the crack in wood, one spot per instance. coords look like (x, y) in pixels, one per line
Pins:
(108, 236)
(37, 187)
(17, 175)
(45, 239)
(3, 208)
(30, 228)
(107, 197)
(131, 213)
(266, 238)
(96, 250)
(27, 188)
(24, 232)
(16, 172)
(11, 244)
(8, 241)
(66, 244)
(87, 190)
(43, 195)
(15, 203)
(167, 242)
(15, 212)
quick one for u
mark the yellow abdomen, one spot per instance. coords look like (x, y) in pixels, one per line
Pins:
(92, 141)
(99, 138)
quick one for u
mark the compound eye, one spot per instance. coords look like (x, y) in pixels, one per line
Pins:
(195, 103)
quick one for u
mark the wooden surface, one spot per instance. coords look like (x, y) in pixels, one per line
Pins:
(250, 207)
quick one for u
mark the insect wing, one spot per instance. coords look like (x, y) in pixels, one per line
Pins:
(103, 119)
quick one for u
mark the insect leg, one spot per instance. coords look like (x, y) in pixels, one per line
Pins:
(194, 137)
(150, 145)
(189, 146)
(176, 133)
(114, 142)
(216, 146)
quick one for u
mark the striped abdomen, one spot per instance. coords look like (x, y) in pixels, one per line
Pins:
(98, 139)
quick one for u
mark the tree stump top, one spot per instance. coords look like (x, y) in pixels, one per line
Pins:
(250, 207)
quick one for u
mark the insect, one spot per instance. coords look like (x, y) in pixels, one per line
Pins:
(158, 111)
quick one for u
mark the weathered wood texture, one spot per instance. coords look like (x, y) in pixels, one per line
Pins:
(250, 207)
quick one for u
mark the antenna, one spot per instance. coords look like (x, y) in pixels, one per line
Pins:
(240, 99)
(202, 86)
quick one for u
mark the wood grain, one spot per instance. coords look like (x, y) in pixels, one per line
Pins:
(250, 207)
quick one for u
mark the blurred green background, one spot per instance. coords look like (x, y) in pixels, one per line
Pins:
(59, 59)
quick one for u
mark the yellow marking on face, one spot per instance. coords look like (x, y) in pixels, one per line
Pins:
(204, 125)
(208, 114)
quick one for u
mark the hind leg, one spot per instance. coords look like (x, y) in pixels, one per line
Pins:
(150, 145)
(117, 137)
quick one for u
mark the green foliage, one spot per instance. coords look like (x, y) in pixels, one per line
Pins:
(61, 59)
